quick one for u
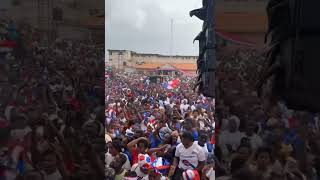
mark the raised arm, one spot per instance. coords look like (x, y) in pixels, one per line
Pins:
(131, 144)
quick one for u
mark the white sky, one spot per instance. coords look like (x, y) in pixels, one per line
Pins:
(144, 26)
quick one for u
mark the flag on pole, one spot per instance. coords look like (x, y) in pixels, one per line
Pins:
(173, 84)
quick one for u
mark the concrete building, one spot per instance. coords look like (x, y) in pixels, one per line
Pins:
(151, 63)
(241, 21)
(80, 19)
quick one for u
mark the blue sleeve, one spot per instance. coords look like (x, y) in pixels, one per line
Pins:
(209, 147)
(154, 142)
(128, 154)
(178, 126)
(195, 135)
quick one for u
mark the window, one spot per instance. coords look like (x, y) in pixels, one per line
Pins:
(124, 63)
(110, 59)
(110, 53)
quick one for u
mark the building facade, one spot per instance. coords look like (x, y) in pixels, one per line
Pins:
(241, 21)
(72, 19)
(151, 63)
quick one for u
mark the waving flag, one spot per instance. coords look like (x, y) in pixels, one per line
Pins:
(161, 165)
(152, 122)
(171, 84)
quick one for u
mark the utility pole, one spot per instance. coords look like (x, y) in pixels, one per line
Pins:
(171, 38)
(119, 58)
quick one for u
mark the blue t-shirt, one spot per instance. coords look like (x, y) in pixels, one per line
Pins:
(154, 142)
(128, 154)
(209, 147)
(195, 135)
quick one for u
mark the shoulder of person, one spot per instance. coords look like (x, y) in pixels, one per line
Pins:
(125, 155)
(197, 147)
(179, 146)
(133, 168)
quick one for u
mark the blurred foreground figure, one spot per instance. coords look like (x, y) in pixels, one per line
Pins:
(292, 60)
(207, 58)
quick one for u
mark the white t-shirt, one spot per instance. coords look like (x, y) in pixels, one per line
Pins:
(124, 120)
(140, 174)
(184, 108)
(167, 101)
(205, 148)
(161, 103)
(211, 174)
(255, 141)
(143, 127)
(189, 158)
(172, 104)
(109, 158)
(193, 108)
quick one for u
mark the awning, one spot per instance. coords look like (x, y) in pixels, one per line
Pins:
(234, 38)
(166, 67)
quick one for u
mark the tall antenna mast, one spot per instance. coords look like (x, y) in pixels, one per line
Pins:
(171, 41)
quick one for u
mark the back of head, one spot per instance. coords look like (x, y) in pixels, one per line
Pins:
(109, 173)
(187, 135)
(130, 175)
(117, 144)
(237, 164)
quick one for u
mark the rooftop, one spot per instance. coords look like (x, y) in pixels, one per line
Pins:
(150, 54)
(179, 66)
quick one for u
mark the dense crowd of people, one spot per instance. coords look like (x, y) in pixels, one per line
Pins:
(58, 103)
(157, 133)
(256, 139)
(52, 110)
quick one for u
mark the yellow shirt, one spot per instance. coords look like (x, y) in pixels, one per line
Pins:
(120, 176)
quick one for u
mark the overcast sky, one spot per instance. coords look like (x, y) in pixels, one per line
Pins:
(144, 26)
